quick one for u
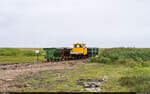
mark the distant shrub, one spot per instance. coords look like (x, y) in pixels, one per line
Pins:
(127, 56)
(137, 54)
(93, 59)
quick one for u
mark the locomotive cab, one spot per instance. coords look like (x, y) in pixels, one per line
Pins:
(79, 49)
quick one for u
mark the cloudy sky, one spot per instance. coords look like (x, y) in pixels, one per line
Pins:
(57, 23)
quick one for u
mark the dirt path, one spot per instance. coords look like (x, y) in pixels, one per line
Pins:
(9, 72)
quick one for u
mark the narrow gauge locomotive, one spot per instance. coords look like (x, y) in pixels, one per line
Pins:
(79, 51)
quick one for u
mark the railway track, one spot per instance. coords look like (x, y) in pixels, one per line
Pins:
(42, 62)
(4, 67)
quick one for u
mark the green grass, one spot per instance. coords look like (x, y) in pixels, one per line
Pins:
(19, 59)
(20, 51)
(137, 60)
(47, 80)
(20, 55)
(113, 54)
(127, 69)
(125, 56)
(137, 79)
(120, 79)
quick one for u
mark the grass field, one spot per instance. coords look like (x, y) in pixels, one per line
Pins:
(120, 79)
(20, 59)
(137, 60)
(127, 70)
(20, 55)
(115, 54)
(48, 80)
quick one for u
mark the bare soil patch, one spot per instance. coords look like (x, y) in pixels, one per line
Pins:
(9, 72)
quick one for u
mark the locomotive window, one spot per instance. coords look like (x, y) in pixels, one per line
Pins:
(78, 46)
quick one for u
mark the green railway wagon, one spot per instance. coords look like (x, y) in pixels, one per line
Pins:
(92, 51)
(53, 54)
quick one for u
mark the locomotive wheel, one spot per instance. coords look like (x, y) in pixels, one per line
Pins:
(76, 57)
(72, 57)
(79, 56)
